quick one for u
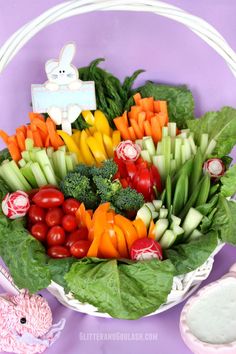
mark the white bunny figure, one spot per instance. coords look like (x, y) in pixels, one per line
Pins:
(63, 75)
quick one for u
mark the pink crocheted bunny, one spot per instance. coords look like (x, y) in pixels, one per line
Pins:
(25, 320)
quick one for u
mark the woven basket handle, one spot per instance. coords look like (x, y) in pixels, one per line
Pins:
(75, 7)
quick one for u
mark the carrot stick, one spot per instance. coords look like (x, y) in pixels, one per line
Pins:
(136, 128)
(20, 140)
(29, 133)
(33, 115)
(147, 104)
(141, 119)
(47, 141)
(156, 106)
(37, 139)
(147, 128)
(12, 139)
(149, 115)
(163, 107)
(4, 136)
(137, 97)
(14, 151)
(135, 110)
(38, 123)
(163, 119)
(132, 133)
(54, 137)
(125, 118)
(122, 127)
(156, 130)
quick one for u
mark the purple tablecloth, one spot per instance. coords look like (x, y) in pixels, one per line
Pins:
(170, 53)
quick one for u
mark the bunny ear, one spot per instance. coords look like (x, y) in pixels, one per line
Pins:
(50, 65)
(67, 53)
(7, 283)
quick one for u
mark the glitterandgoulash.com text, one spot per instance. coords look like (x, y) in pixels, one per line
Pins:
(118, 336)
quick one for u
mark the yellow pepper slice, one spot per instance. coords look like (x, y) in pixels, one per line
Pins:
(71, 145)
(95, 149)
(116, 139)
(99, 138)
(101, 123)
(88, 157)
(108, 145)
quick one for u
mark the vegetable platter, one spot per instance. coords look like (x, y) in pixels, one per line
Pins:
(122, 218)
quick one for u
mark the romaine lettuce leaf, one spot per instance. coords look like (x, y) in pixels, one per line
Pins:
(187, 257)
(220, 126)
(228, 181)
(125, 290)
(224, 221)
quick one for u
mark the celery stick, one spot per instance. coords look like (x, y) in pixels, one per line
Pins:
(35, 149)
(183, 135)
(25, 155)
(17, 172)
(55, 164)
(139, 142)
(62, 148)
(164, 132)
(22, 163)
(9, 176)
(204, 143)
(38, 174)
(50, 151)
(74, 158)
(69, 163)
(210, 148)
(29, 144)
(192, 144)
(146, 155)
(149, 145)
(172, 166)
(187, 146)
(177, 153)
(28, 174)
(172, 129)
(44, 162)
(159, 148)
(166, 152)
(61, 163)
(32, 156)
(183, 154)
(159, 162)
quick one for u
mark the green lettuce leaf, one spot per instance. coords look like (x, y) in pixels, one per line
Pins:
(187, 257)
(220, 126)
(58, 268)
(224, 220)
(123, 290)
(24, 255)
(179, 98)
(228, 181)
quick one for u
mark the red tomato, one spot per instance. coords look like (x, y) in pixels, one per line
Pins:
(58, 252)
(69, 223)
(56, 236)
(80, 248)
(77, 235)
(39, 231)
(70, 206)
(145, 248)
(48, 198)
(54, 217)
(36, 214)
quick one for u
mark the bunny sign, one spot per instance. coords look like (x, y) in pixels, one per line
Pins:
(64, 95)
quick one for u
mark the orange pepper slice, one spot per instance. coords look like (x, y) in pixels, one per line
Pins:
(128, 229)
(140, 228)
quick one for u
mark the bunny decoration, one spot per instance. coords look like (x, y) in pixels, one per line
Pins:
(64, 95)
(25, 320)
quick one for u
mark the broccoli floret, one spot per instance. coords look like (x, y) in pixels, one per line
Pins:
(78, 186)
(127, 200)
(84, 170)
(106, 188)
(107, 170)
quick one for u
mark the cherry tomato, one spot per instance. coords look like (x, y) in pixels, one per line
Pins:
(69, 223)
(56, 236)
(36, 214)
(54, 217)
(77, 235)
(58, 252)
(39, 231)
(48, 198)
(80, 248)
(70, 206)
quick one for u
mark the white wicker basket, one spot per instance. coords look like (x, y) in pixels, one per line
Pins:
(183, 285)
